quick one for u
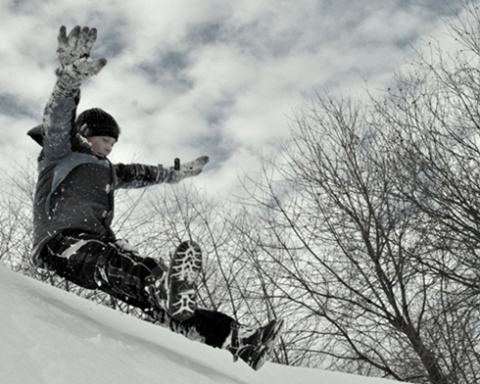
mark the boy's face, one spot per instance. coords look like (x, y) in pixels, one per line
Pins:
(102, 145)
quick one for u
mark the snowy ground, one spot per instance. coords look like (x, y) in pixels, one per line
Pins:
(48, 336)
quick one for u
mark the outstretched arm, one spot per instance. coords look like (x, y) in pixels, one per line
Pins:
(139, 175)
(73, 53)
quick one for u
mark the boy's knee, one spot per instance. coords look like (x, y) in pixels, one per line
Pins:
(77, 259)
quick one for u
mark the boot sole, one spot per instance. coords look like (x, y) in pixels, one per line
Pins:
(185, 267)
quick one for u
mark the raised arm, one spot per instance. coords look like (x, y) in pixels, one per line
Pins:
(73, 53)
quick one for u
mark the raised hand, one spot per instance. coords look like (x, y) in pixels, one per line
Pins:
(73, 52)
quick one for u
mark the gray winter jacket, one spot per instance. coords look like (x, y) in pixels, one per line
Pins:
(75, 187)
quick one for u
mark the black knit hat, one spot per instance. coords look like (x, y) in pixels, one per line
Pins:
(97, 122)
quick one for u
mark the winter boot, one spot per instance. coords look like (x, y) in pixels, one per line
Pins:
(175, 290)
(252, 345)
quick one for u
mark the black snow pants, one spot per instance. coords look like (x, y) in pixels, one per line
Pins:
(118, 270)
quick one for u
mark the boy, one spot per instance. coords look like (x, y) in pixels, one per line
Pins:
(73, 212)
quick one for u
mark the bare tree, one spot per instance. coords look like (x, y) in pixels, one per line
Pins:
(340, 239)
(371, 218)
(16, 199)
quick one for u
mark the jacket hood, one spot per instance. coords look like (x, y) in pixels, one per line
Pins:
(36, 133)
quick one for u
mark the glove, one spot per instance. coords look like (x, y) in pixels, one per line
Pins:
(193, 168)
(73, 52)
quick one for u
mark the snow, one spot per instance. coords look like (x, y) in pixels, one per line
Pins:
(49, 336)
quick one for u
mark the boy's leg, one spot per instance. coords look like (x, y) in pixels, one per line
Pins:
(114, 269)
(219, 330)
(117, 269)
(120, 272)
(208, 327)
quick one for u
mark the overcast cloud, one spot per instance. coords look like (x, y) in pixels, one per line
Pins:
(186, 78)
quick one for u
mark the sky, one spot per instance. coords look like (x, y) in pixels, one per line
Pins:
(49, 336)
(219, 78)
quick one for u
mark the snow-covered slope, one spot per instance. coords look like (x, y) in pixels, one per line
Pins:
(48, 336)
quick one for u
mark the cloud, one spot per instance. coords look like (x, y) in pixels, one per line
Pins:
(190, 78)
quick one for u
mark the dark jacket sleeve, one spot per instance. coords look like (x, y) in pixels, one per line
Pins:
(58, 121)
(140, 175)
